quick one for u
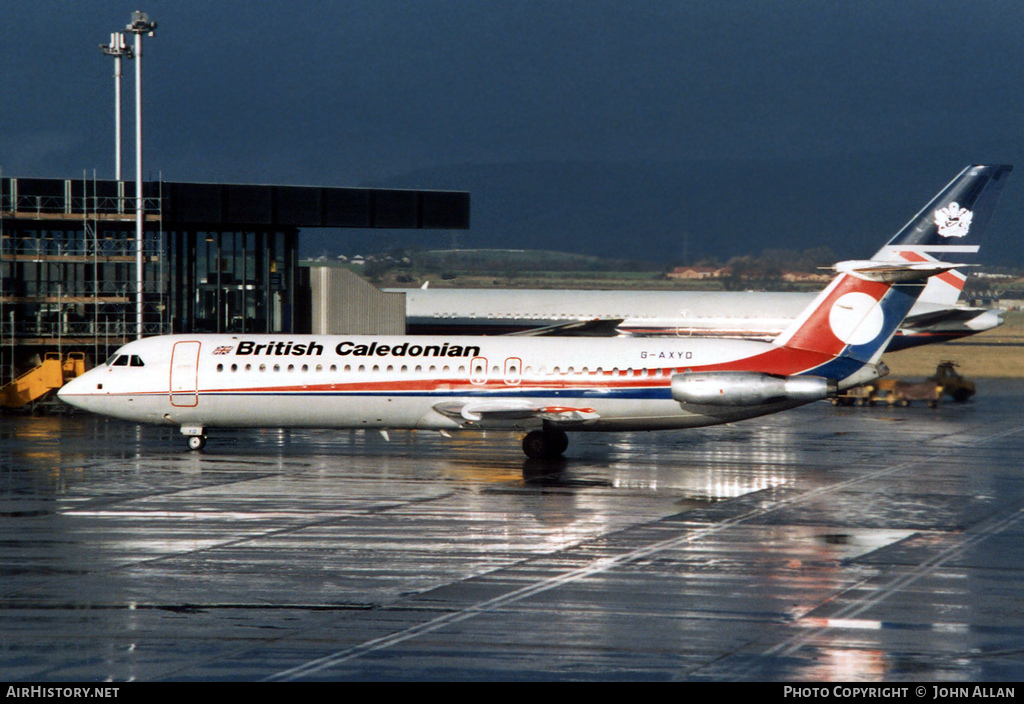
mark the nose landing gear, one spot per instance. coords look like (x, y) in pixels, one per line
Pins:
(194, 437)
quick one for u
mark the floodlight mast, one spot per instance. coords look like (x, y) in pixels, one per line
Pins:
(140, 25)
(118, 49)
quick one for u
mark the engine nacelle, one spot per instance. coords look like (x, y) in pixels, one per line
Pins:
(748, 388)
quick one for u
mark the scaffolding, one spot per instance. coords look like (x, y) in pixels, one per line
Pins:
(216, 258)
(67, 269)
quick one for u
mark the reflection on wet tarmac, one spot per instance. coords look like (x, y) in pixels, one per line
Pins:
(826, 544)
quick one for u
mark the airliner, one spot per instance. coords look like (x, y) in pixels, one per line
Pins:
(936, 317)
(545, 386)
(755, 315)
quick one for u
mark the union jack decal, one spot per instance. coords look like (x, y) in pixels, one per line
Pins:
(224, 350)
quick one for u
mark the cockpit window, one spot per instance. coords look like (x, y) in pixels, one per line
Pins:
(124, 360)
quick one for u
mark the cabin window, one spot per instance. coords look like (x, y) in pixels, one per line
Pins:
(291, 367)
(248, 367)
(405, 368)
(263, 367)
(305, 367)
(277, 367)
(334, 367)
(234, 367)
(220, 367)
(319, 367)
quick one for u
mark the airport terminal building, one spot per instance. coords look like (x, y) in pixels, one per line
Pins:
(215, 258)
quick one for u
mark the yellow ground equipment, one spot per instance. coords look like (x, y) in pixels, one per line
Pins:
(951, 382)
(896, 392)
(36, 383)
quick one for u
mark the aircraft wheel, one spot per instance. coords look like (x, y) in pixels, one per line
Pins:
(536, 444)
(196, 442)
(559, 442)
(545, 443)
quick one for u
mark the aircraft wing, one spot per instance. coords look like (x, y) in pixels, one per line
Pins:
(502, 410)
(598, 327)
(967, 319)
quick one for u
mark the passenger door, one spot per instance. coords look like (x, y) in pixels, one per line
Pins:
(185, 374)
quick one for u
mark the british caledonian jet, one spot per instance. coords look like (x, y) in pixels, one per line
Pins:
(936, 316)
(544, 385)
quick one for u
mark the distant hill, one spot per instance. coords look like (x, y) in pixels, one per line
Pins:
(681, 212)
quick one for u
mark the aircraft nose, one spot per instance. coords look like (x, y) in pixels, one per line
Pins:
(75, 392)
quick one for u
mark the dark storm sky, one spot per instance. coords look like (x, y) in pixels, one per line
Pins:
(374, 91)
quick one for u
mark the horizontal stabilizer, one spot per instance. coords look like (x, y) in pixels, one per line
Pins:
(894, 272)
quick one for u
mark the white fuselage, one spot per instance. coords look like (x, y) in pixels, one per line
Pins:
(402, 381)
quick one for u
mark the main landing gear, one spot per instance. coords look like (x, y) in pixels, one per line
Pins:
(547, 443)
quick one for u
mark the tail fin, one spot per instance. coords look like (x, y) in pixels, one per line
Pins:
(952, 225)
(851, 322)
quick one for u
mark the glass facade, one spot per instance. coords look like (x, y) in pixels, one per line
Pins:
(233, 281)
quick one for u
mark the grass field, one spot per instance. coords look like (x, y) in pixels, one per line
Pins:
(994, 353)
